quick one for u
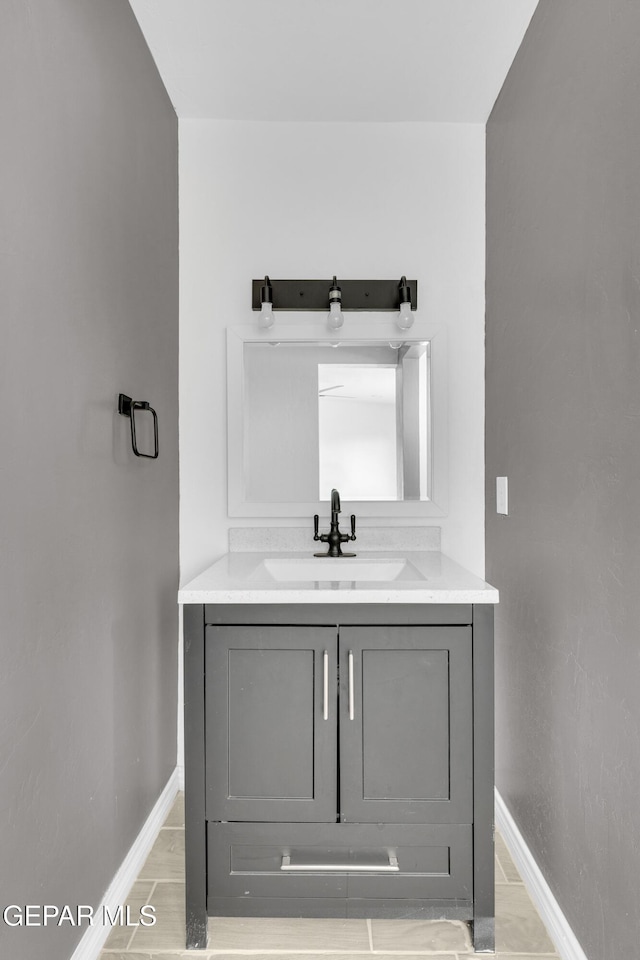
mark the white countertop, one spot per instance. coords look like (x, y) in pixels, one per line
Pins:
(238, 578)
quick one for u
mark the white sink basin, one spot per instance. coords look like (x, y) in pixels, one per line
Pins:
(311, 569)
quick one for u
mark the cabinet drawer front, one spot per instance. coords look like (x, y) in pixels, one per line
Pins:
(356, 861)
(406, 724)
(271, 720)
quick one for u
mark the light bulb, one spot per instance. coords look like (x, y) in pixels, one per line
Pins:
(336, 316)
(266, 318)
(405, 317)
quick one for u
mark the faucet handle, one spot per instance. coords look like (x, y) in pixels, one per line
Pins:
(316, 520)
(349, 536)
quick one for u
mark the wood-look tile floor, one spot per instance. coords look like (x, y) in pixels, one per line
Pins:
(520, 934)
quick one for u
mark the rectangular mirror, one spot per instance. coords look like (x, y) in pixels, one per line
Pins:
(307, 415)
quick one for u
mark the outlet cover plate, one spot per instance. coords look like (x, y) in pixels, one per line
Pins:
(502, 496)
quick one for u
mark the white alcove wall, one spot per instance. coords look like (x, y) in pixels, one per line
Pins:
(304, 200)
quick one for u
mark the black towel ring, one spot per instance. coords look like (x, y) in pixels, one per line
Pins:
(127, 407)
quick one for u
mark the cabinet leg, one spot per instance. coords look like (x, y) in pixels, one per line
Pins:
(483, 924)
(196, 931)
(194, 784)
(483, 934)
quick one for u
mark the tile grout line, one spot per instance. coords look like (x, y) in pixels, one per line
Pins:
(297, 952)
(506, 876)
(151, 892)
(163, 880)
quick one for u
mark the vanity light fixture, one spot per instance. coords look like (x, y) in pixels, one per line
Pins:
(336, 316)
(385, 296)
(405, 317)
(266, 308)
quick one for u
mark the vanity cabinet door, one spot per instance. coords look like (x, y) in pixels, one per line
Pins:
(406, 744)
(271, 723)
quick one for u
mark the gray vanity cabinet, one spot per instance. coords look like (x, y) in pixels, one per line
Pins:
(339, 762)
(406, 734)
(271, 750)
(272, 705)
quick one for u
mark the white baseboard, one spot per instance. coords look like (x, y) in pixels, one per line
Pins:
(94, 938)
(552, 916)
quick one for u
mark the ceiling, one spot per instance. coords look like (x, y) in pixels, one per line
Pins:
(334, 60)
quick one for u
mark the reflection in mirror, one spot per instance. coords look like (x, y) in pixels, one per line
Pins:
(357, 436)
(354, 417)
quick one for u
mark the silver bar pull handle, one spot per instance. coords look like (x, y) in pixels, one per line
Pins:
(325, 709)
(351, 698)
(391, 867)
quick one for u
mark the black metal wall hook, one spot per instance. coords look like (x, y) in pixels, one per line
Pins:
(127, 407)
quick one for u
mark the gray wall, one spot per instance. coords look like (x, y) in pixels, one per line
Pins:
(89, 551)
(563, 423)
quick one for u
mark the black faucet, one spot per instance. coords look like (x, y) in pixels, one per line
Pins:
(334, 538)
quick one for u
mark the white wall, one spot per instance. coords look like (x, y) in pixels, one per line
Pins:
(304, 200)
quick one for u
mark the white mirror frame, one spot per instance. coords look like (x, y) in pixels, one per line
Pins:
(368, 328)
